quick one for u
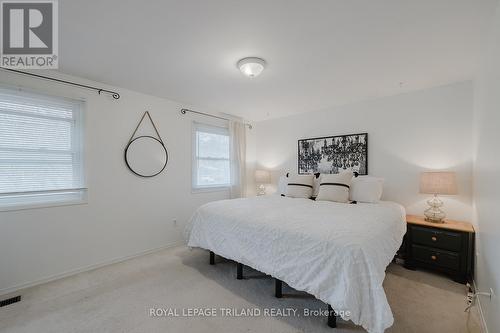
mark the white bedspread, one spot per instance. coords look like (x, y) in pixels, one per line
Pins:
(336, 252)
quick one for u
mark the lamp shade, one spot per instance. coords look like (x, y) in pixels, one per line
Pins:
(438, 183)
(262, 176)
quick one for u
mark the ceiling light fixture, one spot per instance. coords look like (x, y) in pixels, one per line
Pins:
(251, 66)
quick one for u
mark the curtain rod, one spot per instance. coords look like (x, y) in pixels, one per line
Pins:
(114, 94)
(183, 111)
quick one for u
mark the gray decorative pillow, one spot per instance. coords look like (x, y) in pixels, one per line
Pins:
(335, 187)
(299, 186)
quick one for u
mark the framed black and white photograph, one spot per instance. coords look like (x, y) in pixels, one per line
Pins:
(333, 154)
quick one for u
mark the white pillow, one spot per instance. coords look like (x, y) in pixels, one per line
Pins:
(282, 183)
(316, 182)
(366, 189)
(335, 187)
(299, 186)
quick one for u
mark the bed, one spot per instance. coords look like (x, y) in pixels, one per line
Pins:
(337, 252)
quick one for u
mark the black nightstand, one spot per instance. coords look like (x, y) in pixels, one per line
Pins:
(445, 247)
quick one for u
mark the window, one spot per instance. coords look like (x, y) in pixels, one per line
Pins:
(211, 162)
(41, 159)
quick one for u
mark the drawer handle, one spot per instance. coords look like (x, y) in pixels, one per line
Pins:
(433, 257)
(434, 238)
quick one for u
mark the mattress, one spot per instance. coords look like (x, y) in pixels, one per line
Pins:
(336, 252)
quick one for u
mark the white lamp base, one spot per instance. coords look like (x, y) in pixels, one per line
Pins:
(434, 213)
(262, 190)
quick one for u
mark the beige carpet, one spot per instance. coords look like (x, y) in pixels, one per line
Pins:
(118, 298)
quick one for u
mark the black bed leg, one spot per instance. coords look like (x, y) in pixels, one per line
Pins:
(278, 288)
(212, 258)
(239, 271)
(332, 319)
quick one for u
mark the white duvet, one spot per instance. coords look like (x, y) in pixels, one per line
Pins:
(336, 252)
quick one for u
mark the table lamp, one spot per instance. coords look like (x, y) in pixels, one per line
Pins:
(262, 177)
(435, 183)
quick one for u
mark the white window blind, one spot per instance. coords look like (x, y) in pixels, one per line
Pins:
(40, 149)
(211, 157)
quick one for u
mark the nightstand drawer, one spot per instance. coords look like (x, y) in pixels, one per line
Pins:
(445, 240)
(436, 257)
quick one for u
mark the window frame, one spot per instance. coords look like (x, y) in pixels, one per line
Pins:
(207, 128)
(22, 200)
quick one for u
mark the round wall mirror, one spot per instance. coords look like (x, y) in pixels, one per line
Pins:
(146, 156)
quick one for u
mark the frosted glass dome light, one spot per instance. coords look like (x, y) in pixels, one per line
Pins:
(251, 66)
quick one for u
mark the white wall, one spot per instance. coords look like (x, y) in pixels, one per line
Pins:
(125, 214)
(486, 176)
(407, 134)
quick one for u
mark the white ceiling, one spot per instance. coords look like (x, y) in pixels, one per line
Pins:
(319, 53)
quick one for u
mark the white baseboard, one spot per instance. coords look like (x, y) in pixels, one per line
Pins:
(19, 287)
(484, 327)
